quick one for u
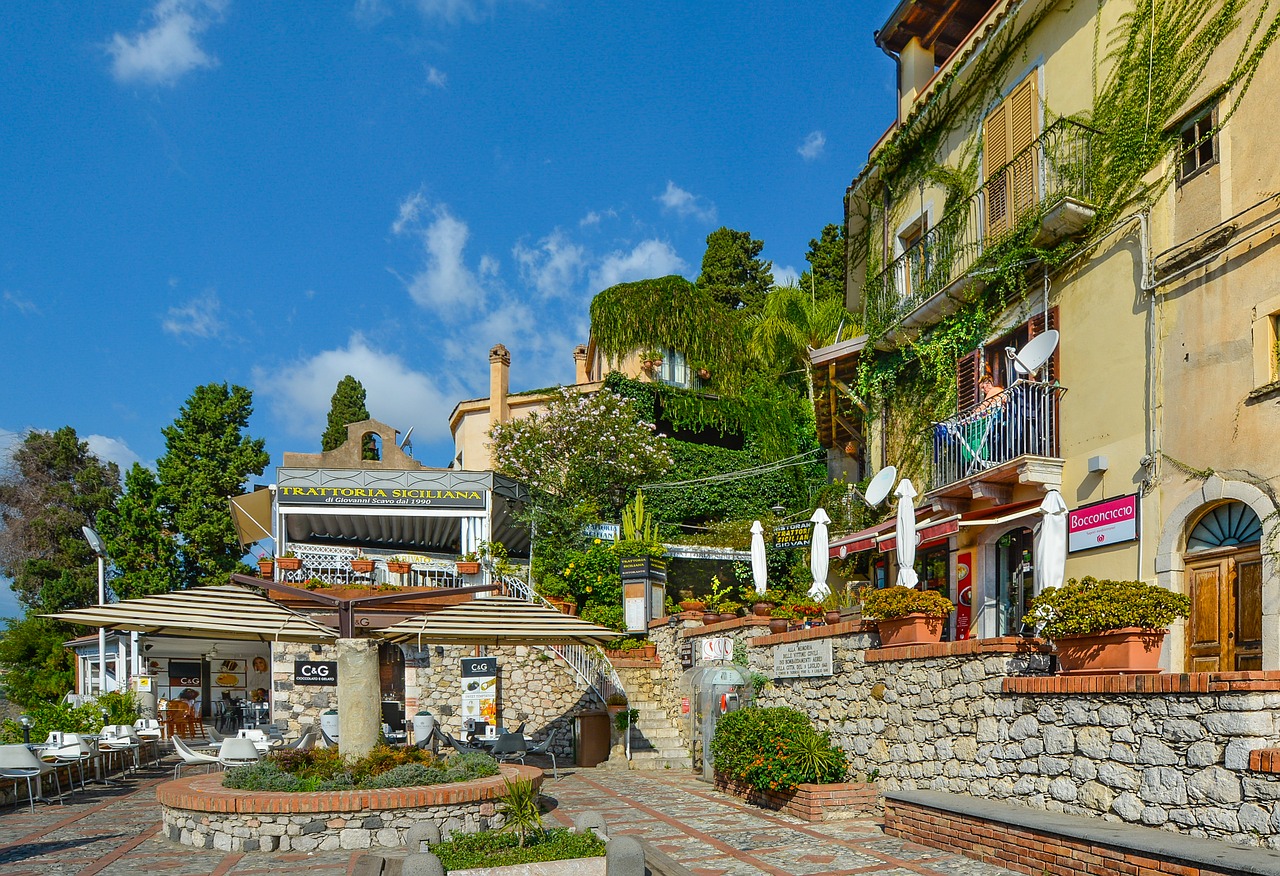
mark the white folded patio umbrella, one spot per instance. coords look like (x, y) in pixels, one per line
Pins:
(906, 534)
(759, 568)
(1051, 542)
(498, 620)
(819, 558)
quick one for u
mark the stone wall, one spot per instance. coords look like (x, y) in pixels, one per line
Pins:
(297, 708)
(973, 718)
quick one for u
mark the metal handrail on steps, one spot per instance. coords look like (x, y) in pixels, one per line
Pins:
(588, 662)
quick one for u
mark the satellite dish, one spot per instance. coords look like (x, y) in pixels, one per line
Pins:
(880, 485)
(404, 442)
(1035, 353)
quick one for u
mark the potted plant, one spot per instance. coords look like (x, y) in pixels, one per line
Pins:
(556, 591)
(361, 565)
(615, 704)
(765, 602)
(399, 566)
(805, 611)
(469, 563)
(651, 359)
(692, 605)
(727, 609)
(266, 567)
(289, 562)
(780, 618)
(906, 616)
(1107, 627)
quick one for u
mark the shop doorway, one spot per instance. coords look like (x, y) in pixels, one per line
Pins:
(1224, 580)
(391, 672)
(1015, 577)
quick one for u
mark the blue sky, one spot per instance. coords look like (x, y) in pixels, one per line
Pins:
(276, 195)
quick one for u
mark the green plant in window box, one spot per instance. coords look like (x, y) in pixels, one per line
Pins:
(896, 602)
(1091, 605)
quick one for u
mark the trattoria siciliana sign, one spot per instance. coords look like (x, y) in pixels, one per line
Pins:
(389, 497)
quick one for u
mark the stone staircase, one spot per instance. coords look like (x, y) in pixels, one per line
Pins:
(656, 743)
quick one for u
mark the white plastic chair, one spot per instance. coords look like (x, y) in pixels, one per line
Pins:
(238, 752)
(119, 739)
(191, 758)
(20, 762)
(69, 751)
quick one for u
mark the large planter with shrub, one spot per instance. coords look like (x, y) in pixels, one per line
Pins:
(766, 754)
(1105, 627)
(906, 616)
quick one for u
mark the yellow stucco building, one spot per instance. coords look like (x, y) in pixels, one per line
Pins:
(1102, 170)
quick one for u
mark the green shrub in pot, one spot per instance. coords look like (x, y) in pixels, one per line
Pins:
(1091, 605)
(895, 602)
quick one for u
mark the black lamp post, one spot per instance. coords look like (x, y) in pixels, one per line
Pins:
(26, 722)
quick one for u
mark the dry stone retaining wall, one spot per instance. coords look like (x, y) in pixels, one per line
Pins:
(947, 721)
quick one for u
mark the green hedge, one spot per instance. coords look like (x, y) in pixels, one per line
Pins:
(775, 749)
(324, 769)
(490, 849)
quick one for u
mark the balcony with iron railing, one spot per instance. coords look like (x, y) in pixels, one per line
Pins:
(323, 565)
(1010, 438)
(1048, 183)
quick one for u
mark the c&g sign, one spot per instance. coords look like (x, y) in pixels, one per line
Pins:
(315, 672)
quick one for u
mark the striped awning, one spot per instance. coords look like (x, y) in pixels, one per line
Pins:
(498, 620)
(221, 612)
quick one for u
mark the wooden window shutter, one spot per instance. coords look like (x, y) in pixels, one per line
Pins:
(1036, 326)
(968, 371)
(1024, 181)
(995, 155)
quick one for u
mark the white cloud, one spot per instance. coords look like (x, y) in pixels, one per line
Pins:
(683, 204)
(20, 303)
(370, 12)
(595, 217)
(112, 450)
(199, 317)
(437, 77)
(299, 394)
(815, 143)
(454, 11)
(553, 267)
(785, 275)
(649, 258)
(167, 50)
(444, 281)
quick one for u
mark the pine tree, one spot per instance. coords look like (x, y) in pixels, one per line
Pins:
(347, 406)
(827, 259)
(143, 551)
(732, 271)
(207, 459)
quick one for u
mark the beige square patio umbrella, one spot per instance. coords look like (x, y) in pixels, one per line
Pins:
(224, 611)
(498, 620)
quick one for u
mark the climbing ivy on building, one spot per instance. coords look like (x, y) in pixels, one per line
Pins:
(1156, 57)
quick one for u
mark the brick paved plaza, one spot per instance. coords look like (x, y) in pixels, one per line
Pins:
(116, 831)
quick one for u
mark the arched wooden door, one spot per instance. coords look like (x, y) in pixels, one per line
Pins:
(1224, 580)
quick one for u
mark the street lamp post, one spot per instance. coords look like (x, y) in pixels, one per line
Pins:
(100, 549)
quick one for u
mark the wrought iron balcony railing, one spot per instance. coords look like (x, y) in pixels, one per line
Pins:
(1056, 166)
(1021, 421)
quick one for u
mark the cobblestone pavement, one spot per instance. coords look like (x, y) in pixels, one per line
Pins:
(116, 831)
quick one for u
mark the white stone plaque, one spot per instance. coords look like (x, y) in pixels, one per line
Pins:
(802, 659)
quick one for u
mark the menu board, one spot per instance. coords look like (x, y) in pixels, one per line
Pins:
(480, 688)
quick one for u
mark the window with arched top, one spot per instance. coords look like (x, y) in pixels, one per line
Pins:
(371, 446)
(1234, 523)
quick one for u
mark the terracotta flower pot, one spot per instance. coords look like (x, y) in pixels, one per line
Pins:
(728, 615)
(399, 568)
(649, 652)
(289, 564)
(778, 624)
(910, 629)
(710, 617)
(468, 567)
(1131, 650)
(762, 609)
(693, 605)
(832, 617)
(267, 568)
(363, 566)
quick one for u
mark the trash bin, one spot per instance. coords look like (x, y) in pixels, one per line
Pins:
(591, 738)
(329, 724)
(424, 724)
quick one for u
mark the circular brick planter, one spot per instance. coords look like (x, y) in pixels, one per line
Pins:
(198, 811)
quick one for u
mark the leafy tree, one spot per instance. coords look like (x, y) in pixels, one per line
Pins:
(208, 458)
(347, 406)
(37, 667)
(732, 270)
(53, 486)
(790, 323)
(142, 549)
(827, 260)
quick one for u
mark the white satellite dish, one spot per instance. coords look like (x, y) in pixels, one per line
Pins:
(404, 442)
(1035, 353)
(880, 485)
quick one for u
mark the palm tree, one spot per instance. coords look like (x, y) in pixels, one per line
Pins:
(791, 323)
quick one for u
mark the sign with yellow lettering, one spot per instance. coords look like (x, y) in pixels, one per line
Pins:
(387, 497)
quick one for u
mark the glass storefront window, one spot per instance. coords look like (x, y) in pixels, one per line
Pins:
(1015, 575)
(934, 568)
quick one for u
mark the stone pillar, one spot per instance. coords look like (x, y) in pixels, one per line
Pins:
(580, 365)
(359, 696)
(499, 384)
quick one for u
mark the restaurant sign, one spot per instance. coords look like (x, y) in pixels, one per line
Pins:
(315, 672)
(1110, 522)
(185, 673)
(382, 497)
(802, 659)
(793, 535)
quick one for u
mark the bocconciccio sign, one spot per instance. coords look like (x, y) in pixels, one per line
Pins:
(1112, 521)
